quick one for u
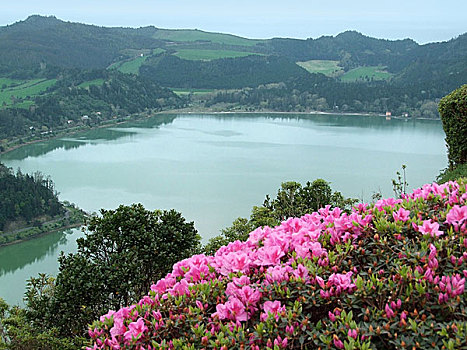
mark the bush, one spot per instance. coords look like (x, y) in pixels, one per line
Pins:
(387, 276)
(121, 254)
(453, 112)
(452, 175)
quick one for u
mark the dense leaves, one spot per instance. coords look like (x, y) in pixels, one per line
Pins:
(123, 252)
(453, 111)
(26, 197)
(228, 73)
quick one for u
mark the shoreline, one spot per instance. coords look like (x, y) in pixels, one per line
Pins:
(136, 117)
(28, 238)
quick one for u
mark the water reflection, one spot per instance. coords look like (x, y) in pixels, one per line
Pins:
(93, 136)
(32, 251)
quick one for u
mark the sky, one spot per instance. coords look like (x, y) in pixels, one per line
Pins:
(424, 21)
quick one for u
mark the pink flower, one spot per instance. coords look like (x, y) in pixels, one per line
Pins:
(457, 215)
(401, 215)
(232, 309)
(338, 343)
(273, 307)
(180, 288)
(430, 228)
(118, 327)
(269, 255)
(301, 272)
(135, 330)
(107, 316)
(281, 343)
(389, 311)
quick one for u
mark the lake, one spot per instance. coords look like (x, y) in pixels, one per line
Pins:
(214, 168)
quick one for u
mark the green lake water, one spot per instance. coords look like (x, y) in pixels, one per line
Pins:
(214, 168)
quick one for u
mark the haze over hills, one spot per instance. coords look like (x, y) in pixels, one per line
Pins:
(53, 71)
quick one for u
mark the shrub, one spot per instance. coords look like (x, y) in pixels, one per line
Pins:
(453, 112)
(121, 254)
(388, 275)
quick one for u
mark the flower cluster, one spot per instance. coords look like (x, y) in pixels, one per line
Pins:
(387, 275)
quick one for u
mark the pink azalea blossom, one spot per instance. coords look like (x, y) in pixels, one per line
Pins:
(272, 307)
(269, 255)
(430, 228)
(401, 215)
(135, 330)
(457, 215)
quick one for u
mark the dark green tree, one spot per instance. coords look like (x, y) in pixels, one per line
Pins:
(453, 111)
(122, 253)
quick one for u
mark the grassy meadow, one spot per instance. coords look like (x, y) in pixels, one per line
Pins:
(183, 92)
(89, 83)
(207, 55)
(186, 35)
(365, 73)
(326, 67)
(132, 65)
(13, 90)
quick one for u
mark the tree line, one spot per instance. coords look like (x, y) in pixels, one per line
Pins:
(26, 197)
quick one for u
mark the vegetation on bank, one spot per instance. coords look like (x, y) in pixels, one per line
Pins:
(84, 99)
(30, 207)
(453, 111)
(26, 197)
(73, 217)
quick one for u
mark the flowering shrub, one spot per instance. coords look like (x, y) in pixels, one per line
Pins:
(388, 275)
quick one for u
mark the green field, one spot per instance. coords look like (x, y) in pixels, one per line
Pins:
(87, 84)
(24, 90)
(207, 55)
(132, 65)
(182, 92)
(7, 82)
(326, 67)
(365, 74)
(188, 35)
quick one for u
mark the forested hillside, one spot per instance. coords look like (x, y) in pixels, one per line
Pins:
(56, 74)
(86, 98)
(26, 197)
(224, 73)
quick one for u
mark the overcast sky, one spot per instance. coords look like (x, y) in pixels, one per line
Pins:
(422, 20)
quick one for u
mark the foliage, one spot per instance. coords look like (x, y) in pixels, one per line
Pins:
(388, 276)
(400, 185)
(453, 111)
(224, 73)
(204, 54)
(292, 200)
(123, 252)
(452, 175)
(100, 95)
(26, 197)
(18, 333)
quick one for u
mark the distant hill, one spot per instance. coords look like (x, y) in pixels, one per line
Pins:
(40, 55)
(28, 46)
